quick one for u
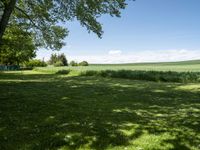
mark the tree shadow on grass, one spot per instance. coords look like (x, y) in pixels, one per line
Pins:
(51, 112)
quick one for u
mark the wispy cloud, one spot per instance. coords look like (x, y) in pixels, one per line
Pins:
(118, 56)
(115, 52)
(144, 56)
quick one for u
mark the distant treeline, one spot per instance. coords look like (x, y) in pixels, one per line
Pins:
(61, 60)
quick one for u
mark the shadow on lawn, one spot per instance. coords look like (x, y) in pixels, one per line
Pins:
(49, 112)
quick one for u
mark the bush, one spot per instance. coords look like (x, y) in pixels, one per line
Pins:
(58, 64)
(63, 72)
(83, 63)
(35, 63)
(73, 63)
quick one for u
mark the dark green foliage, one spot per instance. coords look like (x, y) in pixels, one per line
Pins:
(58, 60)
(63, 72)
(63, 59)
(44, 16)
(17, 47)
(58, 64)
(35, 63)
(147, 75)
(83, 63)
(53, 59)
(73, 63)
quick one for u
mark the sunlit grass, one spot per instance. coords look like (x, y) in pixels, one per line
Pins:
(191, 66)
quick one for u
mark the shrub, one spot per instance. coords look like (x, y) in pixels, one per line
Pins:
(83, 63)
(73, 63)
(58, 64)
(35, 63)
(63, 72)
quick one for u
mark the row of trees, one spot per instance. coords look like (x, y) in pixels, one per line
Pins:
(74, 63)
(61, 60)
(24, 58)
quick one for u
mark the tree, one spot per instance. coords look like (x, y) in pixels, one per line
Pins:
(44, 17)
(63, 59)
(58, 60)
(35, 63)
(17, 46)
(58, 64)
(83, 63)
(53, 59)
(73, 63)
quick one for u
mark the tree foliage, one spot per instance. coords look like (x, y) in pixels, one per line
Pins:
(35, 63)
(53, 59)
(58, 60)
(73, 63)
(18, 46)
(63, 59)
(44, 17)
(83, 63)
(58, 64)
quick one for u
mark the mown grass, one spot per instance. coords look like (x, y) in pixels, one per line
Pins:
(48, 111)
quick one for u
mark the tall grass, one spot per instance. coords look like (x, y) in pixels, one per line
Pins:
(161, 76)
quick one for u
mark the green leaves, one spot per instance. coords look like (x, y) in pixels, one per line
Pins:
(45, 16)
(17, 47)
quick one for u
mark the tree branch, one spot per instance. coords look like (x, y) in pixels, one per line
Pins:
(5, 17)
(32, 22)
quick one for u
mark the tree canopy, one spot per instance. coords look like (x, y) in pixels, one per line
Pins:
(61, 58)
(44, 17)
(17, 47)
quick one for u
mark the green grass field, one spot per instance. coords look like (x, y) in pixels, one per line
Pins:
(41, 110)
(192, 66)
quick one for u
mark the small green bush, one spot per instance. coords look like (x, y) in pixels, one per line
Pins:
(35, 63)
(58, 64)
(63, 72)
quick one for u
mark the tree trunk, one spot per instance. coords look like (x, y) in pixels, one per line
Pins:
(5, 17)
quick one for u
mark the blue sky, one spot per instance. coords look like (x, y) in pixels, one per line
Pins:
(149, 30)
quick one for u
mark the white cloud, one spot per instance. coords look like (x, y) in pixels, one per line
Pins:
(143, 56)
(116, 56)
(115, 52)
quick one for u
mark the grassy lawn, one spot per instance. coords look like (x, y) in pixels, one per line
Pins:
(46, 111)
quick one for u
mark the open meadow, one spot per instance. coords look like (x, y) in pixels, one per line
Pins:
(184, 66)
(44, 110)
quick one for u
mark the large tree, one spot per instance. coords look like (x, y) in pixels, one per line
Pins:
(44, 17)
(18, 46)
